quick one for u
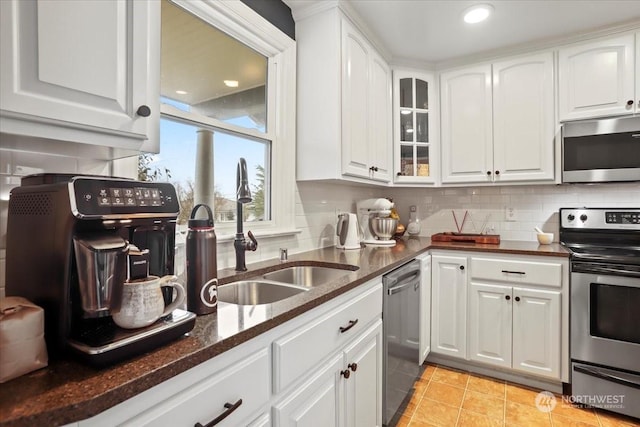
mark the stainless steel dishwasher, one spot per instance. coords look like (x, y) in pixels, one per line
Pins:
(401, 327)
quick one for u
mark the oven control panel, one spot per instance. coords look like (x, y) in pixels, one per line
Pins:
(600, 218)
(622, 217)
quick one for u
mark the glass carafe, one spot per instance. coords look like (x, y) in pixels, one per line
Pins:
(101, 260)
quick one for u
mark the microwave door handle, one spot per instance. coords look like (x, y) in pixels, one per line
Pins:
(605, 376)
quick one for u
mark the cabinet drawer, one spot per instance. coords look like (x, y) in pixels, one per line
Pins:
(300, 351)
(206, 400)
(520, 272)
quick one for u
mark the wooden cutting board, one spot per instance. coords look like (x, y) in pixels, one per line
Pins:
(492, 239)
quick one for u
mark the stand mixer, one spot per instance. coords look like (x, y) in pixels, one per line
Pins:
(371, 210)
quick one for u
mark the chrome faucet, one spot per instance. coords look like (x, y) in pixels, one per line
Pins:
(243, 195)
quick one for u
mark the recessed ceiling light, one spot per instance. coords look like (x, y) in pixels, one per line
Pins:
(405, 112)
(231, 83)
(181, 92)
(477, 13)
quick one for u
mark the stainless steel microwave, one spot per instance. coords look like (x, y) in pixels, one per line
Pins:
(604, 150)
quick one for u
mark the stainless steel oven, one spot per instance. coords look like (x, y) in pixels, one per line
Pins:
(605, 306)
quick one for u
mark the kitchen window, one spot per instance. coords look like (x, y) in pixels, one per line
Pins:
(227, 91)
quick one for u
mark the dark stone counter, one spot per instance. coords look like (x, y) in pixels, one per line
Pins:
(67, 391)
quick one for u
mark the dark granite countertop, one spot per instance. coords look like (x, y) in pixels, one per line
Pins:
(67, 391)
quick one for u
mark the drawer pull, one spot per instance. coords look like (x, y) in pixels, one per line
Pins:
(513, 272)
(346, 374)
(229, 409)
(353, 366)
(352, 323)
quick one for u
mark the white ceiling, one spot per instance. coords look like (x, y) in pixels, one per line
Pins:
(433, 30)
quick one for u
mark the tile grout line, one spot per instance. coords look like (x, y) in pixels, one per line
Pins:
(462, 402)
(504, 408)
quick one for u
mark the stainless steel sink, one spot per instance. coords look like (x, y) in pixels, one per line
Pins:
(256, 292)
(306, 275)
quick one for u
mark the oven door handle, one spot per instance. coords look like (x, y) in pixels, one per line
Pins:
(601, 269)
(605, 376)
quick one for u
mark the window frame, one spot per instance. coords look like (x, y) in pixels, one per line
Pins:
(243, 24)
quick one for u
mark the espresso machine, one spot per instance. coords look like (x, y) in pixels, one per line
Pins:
(68, 240)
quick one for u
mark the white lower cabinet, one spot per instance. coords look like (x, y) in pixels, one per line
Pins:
(200, 395)
(515, 328)
(449, 305)
(536, 331)
(490, 324)
(425, 307)
(513, 313)
(317, 402)
(322, 368)
(364, 385)
(345, 390)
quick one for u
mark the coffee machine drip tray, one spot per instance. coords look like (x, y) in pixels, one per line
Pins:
(102, 342)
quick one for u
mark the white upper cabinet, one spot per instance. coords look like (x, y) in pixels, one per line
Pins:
(466, 128)
(81, 71)
(414, 127)
(523, 119)
(597, 79)
(344, 103)
(498, 121)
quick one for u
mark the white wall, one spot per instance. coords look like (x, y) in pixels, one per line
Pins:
(535, 205)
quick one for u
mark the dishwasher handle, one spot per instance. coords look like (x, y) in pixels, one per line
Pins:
(410, 275)
(400, 288)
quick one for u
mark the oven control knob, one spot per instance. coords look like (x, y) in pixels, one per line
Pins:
(571, 217)
(583, 217)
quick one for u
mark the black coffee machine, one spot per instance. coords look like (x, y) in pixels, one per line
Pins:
(67, 244)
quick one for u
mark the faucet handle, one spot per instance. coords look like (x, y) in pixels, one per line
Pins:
(253, 244)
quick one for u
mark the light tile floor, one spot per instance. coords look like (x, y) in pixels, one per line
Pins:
(448, 398)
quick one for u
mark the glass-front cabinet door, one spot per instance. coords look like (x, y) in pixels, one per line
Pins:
(414, 121)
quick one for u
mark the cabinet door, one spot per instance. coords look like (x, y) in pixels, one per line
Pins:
(523, 119)
(81, 64)
(490, 324)
(380, 119)
(466, 117)
(363, 358)
(449, 303)
(536, 331)
(597, 79)
(355, 102)
(317, 402)
(414, 107)
(425, 308)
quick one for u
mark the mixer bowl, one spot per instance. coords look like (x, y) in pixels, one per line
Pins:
(383, 228)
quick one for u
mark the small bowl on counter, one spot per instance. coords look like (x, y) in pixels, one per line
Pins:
(545, 238)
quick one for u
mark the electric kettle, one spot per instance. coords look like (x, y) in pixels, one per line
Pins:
(348, 231)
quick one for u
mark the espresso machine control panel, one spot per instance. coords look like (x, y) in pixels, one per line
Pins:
(104, 198)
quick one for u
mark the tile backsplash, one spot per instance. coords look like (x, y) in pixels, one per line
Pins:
(318, 203)
(533, 206)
